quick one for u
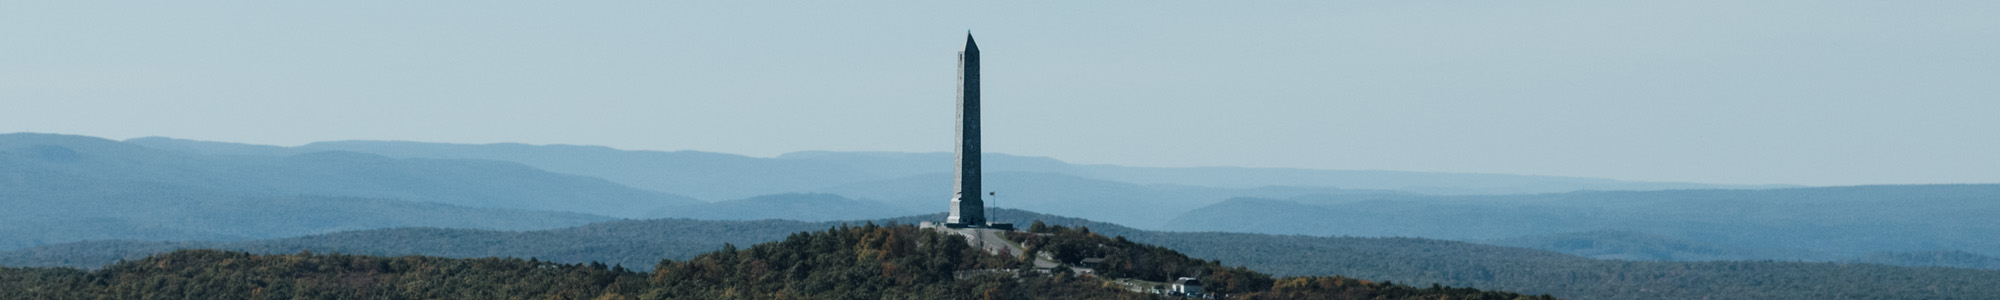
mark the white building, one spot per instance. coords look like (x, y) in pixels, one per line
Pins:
(1187, 286)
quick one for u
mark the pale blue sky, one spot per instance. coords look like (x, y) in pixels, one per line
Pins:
(1745, 92)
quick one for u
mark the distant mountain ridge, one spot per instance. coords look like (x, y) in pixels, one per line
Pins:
(49, 208)
(1816, 224)
(867, 184)
(716, 176)
(63, 188)
(792, 206)
(917, 182)
(896, 164)
(1110, 201)
(704, 175)
(474, 183)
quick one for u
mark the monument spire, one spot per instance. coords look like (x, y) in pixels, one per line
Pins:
(969, 45)
(967, 208)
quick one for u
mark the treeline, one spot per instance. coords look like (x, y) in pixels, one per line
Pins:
(844, 262)
(636, 244)
(212, 274)
(639, 245)
(867, 262)
(1424, 261)
(1126, 259)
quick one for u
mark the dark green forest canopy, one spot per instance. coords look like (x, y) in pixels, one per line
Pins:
(845, 262)
(639, 244)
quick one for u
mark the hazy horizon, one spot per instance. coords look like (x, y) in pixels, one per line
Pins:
(306, 145)
(1803, 92)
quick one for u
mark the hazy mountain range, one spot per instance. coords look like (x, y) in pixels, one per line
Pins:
(790, 206)
(920, 182)
(1789, 224)
(477, 183)
(717, 176)
(58, 188)
(67, 188)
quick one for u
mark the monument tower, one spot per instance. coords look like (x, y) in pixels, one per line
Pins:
(967, 209)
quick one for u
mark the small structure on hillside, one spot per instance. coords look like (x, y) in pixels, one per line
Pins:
(1187, 286)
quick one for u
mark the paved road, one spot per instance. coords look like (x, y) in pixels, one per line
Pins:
(990, 240)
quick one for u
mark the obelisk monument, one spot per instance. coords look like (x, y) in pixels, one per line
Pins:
(967, 209)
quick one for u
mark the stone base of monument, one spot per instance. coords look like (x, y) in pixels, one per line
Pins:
(989, 225)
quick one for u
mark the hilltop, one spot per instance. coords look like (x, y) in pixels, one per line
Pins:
(845, 262)
(637, 244)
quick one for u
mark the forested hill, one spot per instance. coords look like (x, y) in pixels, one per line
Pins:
(1533, 271)
(859, 262)
(635, 244)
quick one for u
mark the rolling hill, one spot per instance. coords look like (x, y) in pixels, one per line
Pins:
(848, 262)
(636, 243)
